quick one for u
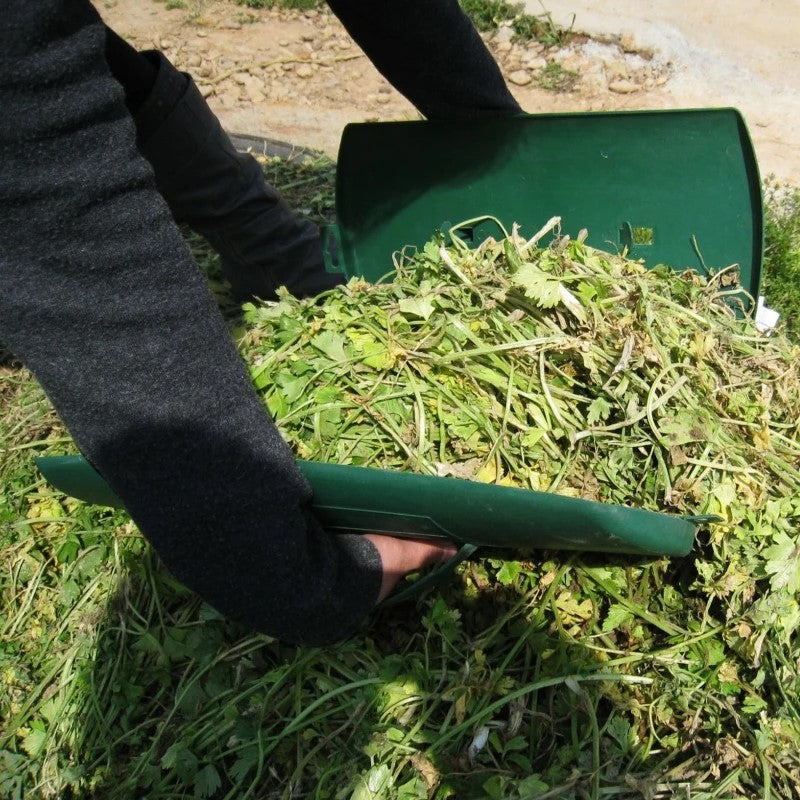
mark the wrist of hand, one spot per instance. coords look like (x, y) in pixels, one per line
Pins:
(400, 556)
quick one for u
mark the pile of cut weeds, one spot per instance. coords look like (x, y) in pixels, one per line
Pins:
(530, 674)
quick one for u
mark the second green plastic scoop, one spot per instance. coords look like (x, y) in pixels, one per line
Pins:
(406, 504)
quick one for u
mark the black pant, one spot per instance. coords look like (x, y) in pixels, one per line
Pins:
(135, 72)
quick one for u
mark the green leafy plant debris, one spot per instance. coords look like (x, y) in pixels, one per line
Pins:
(541, 674)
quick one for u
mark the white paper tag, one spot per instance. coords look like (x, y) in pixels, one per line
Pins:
(766, 318)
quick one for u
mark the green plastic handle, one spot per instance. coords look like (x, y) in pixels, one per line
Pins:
(406, 504)
(331, 248)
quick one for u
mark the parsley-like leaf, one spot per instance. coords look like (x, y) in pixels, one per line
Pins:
(539, 285)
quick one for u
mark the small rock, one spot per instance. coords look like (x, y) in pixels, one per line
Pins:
(255, 95)
(308, 37)
(204, 71)
(232, 25)
(628, 43)
(616, 69)
(241, 78)
(622, 86)
(573, 62)
(202, 34)
(229, 99)
(505, 33)
(206, 90)
(535, 62)
(520, 77)
(284, 42)
(304, 71)
(382, 98)
(166, 44)
(504, 47)
(194, 60)
(661, 80)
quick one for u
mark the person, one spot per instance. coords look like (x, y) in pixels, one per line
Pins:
(102, 150)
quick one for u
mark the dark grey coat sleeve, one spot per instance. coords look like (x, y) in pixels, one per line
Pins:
(101, 299)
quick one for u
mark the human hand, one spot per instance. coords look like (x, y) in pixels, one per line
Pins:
(400, 556)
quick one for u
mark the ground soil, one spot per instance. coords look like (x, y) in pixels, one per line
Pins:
(296, 76)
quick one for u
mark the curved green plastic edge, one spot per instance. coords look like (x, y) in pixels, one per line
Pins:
(407, 504)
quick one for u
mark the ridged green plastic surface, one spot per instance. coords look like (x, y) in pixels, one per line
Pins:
(673, 187)
(357, 498)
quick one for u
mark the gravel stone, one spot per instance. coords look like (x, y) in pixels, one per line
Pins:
(505, 33)
(616, 69)
(520, 77)
(535, 62)
(622, 86)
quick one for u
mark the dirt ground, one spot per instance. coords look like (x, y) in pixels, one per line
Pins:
(296, 76)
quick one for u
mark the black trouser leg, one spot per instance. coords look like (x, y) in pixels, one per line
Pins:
(430, 51)
(133, 70)
(218, 192)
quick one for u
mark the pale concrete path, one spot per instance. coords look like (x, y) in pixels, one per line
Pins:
(741, 53)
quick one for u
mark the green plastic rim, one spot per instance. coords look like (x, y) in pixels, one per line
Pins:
(405, 504)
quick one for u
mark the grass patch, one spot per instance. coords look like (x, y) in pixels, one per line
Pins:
(551, 674)
(555, 78)
(488, 15)
(781, 277)
(300, 5)
(308, 184)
